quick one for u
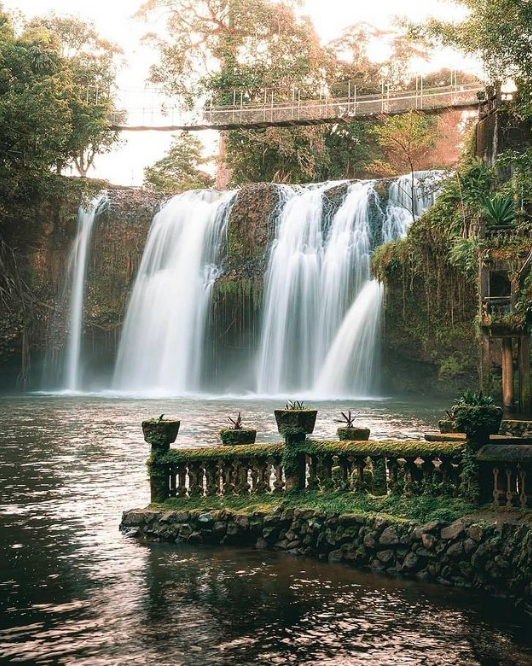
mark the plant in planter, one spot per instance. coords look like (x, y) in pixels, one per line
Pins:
(237, 435)
(350, 431)
(449, 424)
(160, 432)
(477, 416)
(295, 420)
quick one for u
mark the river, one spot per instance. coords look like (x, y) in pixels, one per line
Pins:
(74, 590)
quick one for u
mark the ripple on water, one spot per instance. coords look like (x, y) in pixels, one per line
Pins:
(75, 591)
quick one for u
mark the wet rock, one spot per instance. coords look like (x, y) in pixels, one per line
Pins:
(453, 531)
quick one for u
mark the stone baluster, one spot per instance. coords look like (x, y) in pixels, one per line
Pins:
(242, 484)
(173, 485)
(498, 491)
(212, 479)
(343, 481)
(278, 483)
(393, 474)
(411, 476)
(228, 486)
(521, 476)
(427, 470)
(195, 479)
(312, 479)
(360, 481)
(511, 486)
(260, 476)
(181, 489)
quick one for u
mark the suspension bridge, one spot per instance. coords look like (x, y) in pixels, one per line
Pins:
(151, 110)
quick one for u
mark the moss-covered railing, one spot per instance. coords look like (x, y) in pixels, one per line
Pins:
(380, 467)
(505, 474)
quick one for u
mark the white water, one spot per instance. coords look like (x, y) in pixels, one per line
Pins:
(161, 346)
(77, 268)
(321, 315)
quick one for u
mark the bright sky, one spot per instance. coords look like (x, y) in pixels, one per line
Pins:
(114, 21)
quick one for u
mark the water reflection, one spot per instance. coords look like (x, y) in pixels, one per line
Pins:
(75, 591)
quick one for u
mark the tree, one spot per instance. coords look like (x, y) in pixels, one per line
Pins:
(179, 169)
(406, 139)
(499, 32)
(35, 120)
(91, 62)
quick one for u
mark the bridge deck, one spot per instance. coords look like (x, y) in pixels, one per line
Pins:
(303, 112)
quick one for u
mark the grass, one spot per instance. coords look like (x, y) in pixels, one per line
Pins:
(419, 509)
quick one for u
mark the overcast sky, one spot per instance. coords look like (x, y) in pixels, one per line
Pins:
(114, 21)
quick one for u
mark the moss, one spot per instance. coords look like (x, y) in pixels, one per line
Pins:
(419, 509)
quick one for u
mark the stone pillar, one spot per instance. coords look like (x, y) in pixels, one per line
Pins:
(294, 461)
(525, 388)
(507, 372)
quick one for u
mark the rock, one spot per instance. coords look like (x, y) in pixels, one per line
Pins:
(385, 556)
(475, 532)
(185, 531)
(232, 529)
(428, 540)
(453, 531)
(469, 546)
(456, 550)
(431, 526)
(261, 544)
(369, 541)
(242, 521)
(411, 561)
(336, 555)
(389, 537)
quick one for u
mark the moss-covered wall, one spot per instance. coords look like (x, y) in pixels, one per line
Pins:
(37, 242)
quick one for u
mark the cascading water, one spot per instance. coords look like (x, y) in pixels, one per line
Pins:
(77, 268)
(161, 346)
(321, 314)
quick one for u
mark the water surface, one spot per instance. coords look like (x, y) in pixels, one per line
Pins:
(73, 590)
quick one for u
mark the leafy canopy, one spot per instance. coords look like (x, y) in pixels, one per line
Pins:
(180, 169)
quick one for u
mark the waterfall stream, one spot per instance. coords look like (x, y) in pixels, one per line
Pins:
(320, 331)
(77, 268)
(161, 346)
(319, 327)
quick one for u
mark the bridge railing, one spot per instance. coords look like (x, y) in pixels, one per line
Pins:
(299, 111)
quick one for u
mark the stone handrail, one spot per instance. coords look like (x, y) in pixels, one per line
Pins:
(403, 467)
(505, 474)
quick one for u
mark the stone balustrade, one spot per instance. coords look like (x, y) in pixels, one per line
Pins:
(505, 475)
(403, 467)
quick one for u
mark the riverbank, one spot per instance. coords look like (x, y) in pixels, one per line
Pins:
(484, 550)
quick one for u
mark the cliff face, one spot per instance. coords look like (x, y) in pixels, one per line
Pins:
(36, 248)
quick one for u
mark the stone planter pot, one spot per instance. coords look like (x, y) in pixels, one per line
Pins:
(295, 421)
(478, 422)
(447, 425)
(353, 434)
(160, 434)
(232, 437)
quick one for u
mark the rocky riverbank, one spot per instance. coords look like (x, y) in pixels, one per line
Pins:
(492, 554)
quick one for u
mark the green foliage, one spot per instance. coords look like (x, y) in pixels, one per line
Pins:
(498, 32)
(463, 255)
(420, 509)
(295, 404)
(46, 120)
(474, 398)
(398, 448)
(348, 419)
(180, 169)
(499, 209)
(406, 139)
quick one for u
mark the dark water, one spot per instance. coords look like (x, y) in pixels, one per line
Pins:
(73, 590)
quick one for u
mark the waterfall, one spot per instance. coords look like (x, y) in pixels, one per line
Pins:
(321, 315)
(161, 345)
(77, 268)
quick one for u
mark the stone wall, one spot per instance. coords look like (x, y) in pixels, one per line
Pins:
(470, 552)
